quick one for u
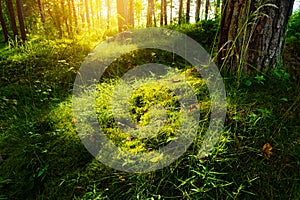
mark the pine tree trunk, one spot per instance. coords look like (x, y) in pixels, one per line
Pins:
(20, 12)
(188, 8)
(161, 12)
(122, 14)
(131, 14)
(149, 13)
(207, 4)
(12, 17)
(256, 44)
(165, 13)
(197, 14)
(3, 25)
(87, 13)
(171, 11)
(41, 11)
(180, 11)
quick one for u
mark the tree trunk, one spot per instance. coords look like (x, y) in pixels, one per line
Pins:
(41, 11)
(12, 17)
(3, 25)
(87, 13)
(188, 8)
(108, 14)
(122, 15)
(252, 34)
(74, 16)
(206, 9)
(20, 12)
(165, 13)
(149, 12)
(171, 11)
(131, 14)
(161, 12)
(180, 11)
(197, 14)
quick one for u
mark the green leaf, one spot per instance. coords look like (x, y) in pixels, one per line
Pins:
(284, 99)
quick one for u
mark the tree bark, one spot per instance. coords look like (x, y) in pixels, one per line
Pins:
(165, 13)
(41, 11)
(198, 7)
(12, 17)
(131, 14)
(150, 12)
(180, 11)
(3, 25)
(171, 11)
(188, 8)
(252, 34)
(207, 4)
(20, 12)
(87, 13)
(122, 15)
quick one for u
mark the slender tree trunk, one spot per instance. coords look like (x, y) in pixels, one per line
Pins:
(41, 11)
(188, 8)
(161, 13)
(198, 7)
(74, 16)
(165, 13)
(20, 12)
(12, 17)
(180, 11)
(206, 9)
(3, 25)
(108, 14)
(87, 13)
(92, 14)
(250, 39)
(131, 14)
(153, 14)
(171, 11)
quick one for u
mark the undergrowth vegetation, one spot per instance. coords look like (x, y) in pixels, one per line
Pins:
(42, 156)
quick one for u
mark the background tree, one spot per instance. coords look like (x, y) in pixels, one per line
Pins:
(207, 4)
(12, 17)
(180, 11)
(197, 13)
(20, 12)
(252, 34)
(3, 24)
(188, 8)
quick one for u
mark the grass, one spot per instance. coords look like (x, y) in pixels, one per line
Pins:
(257, 155)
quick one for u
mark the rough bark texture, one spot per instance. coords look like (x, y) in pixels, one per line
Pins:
(131, 13)
(252, 33)
(3, 25)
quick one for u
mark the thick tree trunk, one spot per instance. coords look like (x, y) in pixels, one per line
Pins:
(12, 17)
(188, 8)
(20, 12)
(161, 12)
(197, 14)
(180, 11)
(3, 25)
(252, 34)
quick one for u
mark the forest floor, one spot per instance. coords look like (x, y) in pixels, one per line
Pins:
(42, 156)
